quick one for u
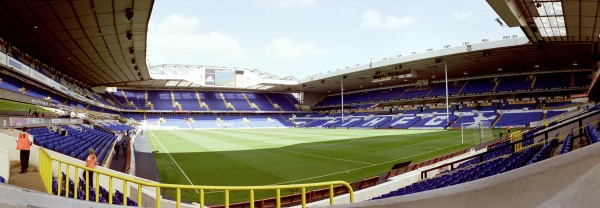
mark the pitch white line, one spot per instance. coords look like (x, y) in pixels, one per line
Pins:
(346, 171)
(186, 177)
(331, 158)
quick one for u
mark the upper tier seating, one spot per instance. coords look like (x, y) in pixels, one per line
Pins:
(416, 93)
(390, 94)
(514, 83)
(440, 89)
(238, 100)
(188, 100)
(287, 102)
(478, 86)
(161, 99)
(518, 119)
(214, 100)
(559, 80)
(261, 101)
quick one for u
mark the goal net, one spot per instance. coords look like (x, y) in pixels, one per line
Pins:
(476, 132)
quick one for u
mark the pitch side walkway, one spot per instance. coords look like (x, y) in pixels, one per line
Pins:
(145, 166)
(119, 164)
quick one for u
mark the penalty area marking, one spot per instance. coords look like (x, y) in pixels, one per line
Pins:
(185, 175)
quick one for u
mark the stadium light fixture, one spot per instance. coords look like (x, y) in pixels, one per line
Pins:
(500, 22)
(129, 35)
(131, 50)
(129, 14)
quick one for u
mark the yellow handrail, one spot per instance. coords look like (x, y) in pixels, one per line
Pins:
(47, 163)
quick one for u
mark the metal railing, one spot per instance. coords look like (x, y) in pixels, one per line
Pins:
(49, 164)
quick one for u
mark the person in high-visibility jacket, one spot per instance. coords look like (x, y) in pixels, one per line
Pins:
(90, 162)
(23, 144)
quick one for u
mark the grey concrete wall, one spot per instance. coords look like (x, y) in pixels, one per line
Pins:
(569, 180)
(310, 98)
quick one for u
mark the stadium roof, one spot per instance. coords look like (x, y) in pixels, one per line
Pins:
(551, 20)
(509, 55)
(98, 42)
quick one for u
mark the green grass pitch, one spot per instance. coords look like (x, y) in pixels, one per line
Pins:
(288, 156)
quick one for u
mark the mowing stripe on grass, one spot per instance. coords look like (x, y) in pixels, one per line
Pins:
(340, 172)
(331, 158)
(186, 177)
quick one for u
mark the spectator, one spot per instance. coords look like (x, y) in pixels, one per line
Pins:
(124, 145)
(90, 162)
(23, 144)
(117, 148)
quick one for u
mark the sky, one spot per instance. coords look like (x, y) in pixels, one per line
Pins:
(305, 37)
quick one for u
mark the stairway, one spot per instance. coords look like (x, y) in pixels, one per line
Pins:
(463, 87)
(496, 121)
(290, 100)
(496, 85)
(199, 101)
(146, 98)
(533, 82)
(271, 102)
(252, 105)
(172, 98)
(125, 96)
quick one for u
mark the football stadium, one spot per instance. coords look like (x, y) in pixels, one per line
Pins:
(505, 122)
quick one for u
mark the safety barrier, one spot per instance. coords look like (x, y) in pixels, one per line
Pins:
(49, 164)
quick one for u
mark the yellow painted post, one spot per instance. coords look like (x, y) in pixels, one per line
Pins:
(87, 185)
(201, 198)
(110, 188)
(351, 193)
(278, 198)
(59, 178)
(157, 196)
(178, 198)
(124, 192)
(67, 181)
(226, 198)
(97, 186)
(251, 198)
(76, 185)
(303, 197)
(331, 194)
(139, 195)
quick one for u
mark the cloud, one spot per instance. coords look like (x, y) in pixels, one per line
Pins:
(177, 40)
(286, 48)
(372, 19)
(287, 3)
(459, 15)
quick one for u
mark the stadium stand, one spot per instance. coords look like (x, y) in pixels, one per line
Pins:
(440, 89)
(76, 142)
(515, 83)
(478, 86)
(402, 122)
(515, 119)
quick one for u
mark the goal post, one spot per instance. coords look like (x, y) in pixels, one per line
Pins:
(476, 132)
